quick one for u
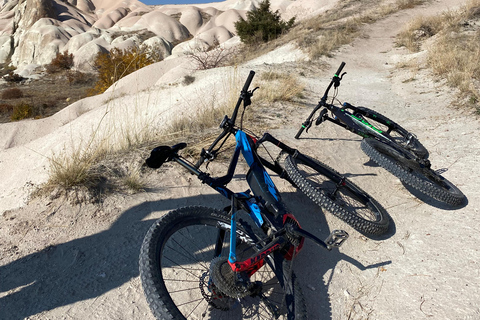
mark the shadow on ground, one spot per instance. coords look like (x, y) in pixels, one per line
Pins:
(91, 266)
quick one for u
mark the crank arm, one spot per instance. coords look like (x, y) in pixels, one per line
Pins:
(334, 240)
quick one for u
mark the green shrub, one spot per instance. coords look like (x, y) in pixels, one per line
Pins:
(262, 25)
(12, 93)
(63, 61)
(117, 63)
(22, 111)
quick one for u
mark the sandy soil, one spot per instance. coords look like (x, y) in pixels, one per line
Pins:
(62, 261)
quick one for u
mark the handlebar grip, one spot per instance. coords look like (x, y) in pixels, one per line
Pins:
(340, 69)
(249, 81)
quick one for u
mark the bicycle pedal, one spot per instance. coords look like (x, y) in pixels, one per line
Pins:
(336, 238)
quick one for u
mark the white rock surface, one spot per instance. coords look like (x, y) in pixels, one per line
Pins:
(34, 31)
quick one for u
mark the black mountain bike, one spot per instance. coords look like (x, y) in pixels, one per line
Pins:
(199, 262)
(386, 143)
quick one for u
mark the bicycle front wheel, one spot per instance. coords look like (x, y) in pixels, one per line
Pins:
(409, 171)
(328, 189)
(185, 274)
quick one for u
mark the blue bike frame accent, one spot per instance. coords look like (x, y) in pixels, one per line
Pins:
(243, 146)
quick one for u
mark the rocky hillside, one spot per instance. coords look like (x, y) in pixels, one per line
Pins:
(32, 32)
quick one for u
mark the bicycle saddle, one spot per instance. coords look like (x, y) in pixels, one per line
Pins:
(162, 154)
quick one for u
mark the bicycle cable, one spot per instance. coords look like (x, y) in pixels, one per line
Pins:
(253, 134)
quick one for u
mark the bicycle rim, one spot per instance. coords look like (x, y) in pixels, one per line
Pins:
(176, 266)
(345, 200)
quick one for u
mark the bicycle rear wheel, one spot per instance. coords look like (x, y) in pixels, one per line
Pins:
(183, 265)
(409, 171)
(398, 134)
(341, 197)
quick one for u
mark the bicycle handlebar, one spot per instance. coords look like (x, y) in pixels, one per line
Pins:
(337, 74)
(227, 124)
(335, 80)
(249, 81)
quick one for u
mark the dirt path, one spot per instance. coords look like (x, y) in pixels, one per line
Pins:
(80, 262)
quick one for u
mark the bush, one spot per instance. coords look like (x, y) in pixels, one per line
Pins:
(22, 111)
(12, 93)
(78, 77)
(13, 77)
(5, 108)
(262, 25)
(188, 80)
(212, 57)
(117, 63)
(63, 61)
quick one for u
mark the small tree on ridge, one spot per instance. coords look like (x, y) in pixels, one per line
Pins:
(262, 25)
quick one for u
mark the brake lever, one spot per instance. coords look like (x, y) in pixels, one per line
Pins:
(336, 80)
(246, 97)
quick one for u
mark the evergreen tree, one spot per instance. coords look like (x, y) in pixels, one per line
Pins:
(262, 25)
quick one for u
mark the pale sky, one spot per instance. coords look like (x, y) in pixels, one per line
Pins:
(156, 2)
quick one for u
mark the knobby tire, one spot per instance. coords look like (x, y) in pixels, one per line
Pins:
(175, 261)
(350, 203)
(411, 173)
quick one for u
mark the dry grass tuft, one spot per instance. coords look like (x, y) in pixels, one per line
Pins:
(279, 87)
(12, 93)
(418, 30)
(408, 4)
(455, 53)
(457, 59)
(133, 180)
(75, 168)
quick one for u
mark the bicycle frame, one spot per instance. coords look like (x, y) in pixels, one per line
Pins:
(351, 121)
(265, 206)
(265, 195)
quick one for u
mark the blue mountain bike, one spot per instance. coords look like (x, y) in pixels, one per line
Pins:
(202, 263)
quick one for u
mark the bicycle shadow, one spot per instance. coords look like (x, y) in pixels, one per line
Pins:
(88, 267)
(313, 263)
(83, 268)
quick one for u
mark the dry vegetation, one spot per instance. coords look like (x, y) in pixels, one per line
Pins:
(44, 96)
(89, 170)
(113, 65)
(453, 53)
(212, 56)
